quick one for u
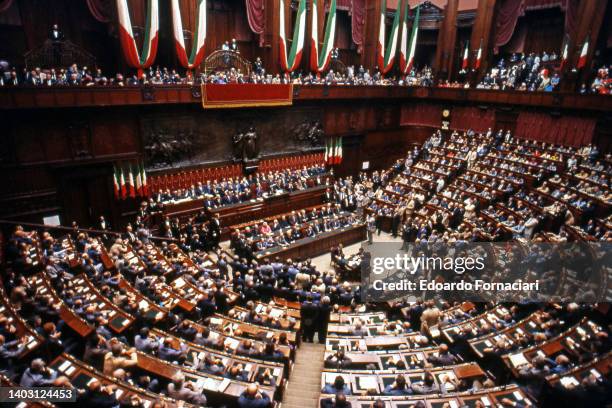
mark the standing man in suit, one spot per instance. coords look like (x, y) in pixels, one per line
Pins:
(370, 228)
(325, 309)
(309, 313)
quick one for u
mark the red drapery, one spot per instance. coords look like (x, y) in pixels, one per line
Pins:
(421, 115)
(565, 130)
(256, 17)
(508, 14)
(511, 10)
(216, 96)
(471, 117)
(100, 9)
(571, 11)
(358, 22)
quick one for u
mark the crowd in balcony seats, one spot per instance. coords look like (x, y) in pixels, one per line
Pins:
(85, 76)
(524, 72)
(602, 83)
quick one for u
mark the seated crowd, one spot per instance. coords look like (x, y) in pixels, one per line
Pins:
(532, 72)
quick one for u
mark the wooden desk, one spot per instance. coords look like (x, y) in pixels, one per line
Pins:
(80, 374)
(74, 321)
(320, 244)
(261, 208)
(118, 320)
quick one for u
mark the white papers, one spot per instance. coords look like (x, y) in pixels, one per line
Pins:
(224, 384)
(518, 360)
(569, 381)
(64, 366)
(367, 382)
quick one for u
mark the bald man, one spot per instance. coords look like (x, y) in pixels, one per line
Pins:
(252, 397)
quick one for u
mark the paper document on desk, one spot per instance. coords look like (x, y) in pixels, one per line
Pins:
(518, 360)
(367, 382)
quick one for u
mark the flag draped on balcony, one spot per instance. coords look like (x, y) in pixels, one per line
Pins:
(130, 180)
(583, 54)
(386, 55)
(408, 48)
(199, 38)
(320, 62)
(290, 62)
(135, 59)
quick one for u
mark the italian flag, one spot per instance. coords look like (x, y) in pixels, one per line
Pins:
(197, 49)
(145, 187)
(319, 63)
(466, 57)
(122, 185)
(564, 52)
(408, 48)
(116, 182)
(333, 151)
(583, 54)
(138, 181)
(338, 151)
(128, 43)
(386, 55)
(130, 180)
(291, 62)
(478, 56)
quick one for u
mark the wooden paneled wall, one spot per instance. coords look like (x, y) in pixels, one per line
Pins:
(60, 161)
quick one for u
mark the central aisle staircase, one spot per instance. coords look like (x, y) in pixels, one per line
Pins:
(304, 385)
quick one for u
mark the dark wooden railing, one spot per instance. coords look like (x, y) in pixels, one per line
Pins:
(65, 97)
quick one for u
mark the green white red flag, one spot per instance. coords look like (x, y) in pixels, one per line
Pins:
(289, 62)
(199, 38)
(135, 59)
(320, 62)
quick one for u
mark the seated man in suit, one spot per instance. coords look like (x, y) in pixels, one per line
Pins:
(399, 387)
(167, 352)
(252, 397)
(339, 401)
(443, 358)
(39, 375)
(238, 373)
(338, 386)
(97, 395)
(338, 360)
(187, 392)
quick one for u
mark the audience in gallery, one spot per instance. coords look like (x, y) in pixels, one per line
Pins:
(602, 84)
(533, 72)
(75, 76)
(523, 75)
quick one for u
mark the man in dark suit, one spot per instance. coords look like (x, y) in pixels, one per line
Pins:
(55, 33)
(309, 314)
(325, 309)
